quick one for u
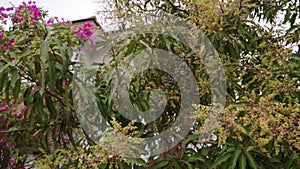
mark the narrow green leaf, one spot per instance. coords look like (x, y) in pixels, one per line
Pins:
(188, 165)
(8, 83)
(236, 156)
(291, 160)
(103, 166)
(25, 52)
(222, 158)
(237, 104)
(43, 55)
(293, 19)
(160, 164)
(190, 138)
(2, 80)
(50, 107)
(138, 161)
(242, 162)
(194, 157)
(4, 67)
(44, 51)
(251, 160)
(60, 46)
(177, 164)
(14, 77)
(52, 76)
(17, 88)
(287, 15)
(123, 165)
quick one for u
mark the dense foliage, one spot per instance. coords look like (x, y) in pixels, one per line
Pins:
(259, 128)
(258, 42)
(36, 60)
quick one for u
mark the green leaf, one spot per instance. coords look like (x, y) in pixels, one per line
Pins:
(177, 164)
(50, 107)
(24, 40)
(160, 164)
(14, 128)
(236, 156)
(44, 57)
(237, 104)
(17, 88)
(220, 159)
(293, 19)
(242, 162)
(287, 15)
(14, 77)
(52, 76)
(8, 83)
(44, 51)
(4, 67)
(60, 46)
(71, 136)
(123, 165)
(138, 161)
(2, 80)
(44, 140)
(188, 165)
(251, 160)
(194, 158)
(291, 160)
(24, 53)
(103, 166)
(190, 138)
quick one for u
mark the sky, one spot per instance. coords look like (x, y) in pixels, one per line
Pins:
(68, 9)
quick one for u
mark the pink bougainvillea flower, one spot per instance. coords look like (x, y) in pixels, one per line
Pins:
(4, 15)
(24, 109)
(66, 137)
(2, 34)
(10, 9)
(49, 22)
(19, 116)
(44, 101)
(37, 136)
(9, 43)
(3, 104)
(10, 145)
(10, 113)
(85, 31)
(64, 83)
(93, 41)
(27, 12)
(3, 107)
(3, 140)
(36, 87)
(5, 48)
